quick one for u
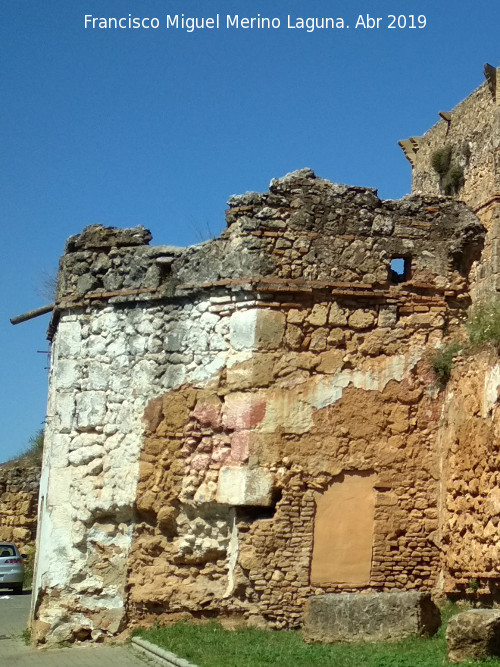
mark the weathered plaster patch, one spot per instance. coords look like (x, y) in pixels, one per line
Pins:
(491, 386)
(106, 354)
(292, 409)
(244, 486)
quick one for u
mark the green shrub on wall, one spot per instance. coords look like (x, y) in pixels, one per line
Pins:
(442, 361)
(483, 328)
(451, 176)
(453, 181)
(441, 160)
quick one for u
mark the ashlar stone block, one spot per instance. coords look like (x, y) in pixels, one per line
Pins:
(258, 329)
(474, 635)
(245, 486)
(355, 617)
(90, 409)
(242, 329)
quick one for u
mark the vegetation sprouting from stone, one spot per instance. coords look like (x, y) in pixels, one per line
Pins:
(442, 361)
(48, 285)
(32, 454)
(453, 180)
(474, 585)
(483, 324)
(34, 451)
(483, 328)
(441, 160)
(451, 175)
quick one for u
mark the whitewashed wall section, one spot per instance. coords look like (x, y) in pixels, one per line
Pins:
(106, 366)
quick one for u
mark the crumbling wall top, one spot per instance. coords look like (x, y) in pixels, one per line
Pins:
(95, 237)
(304, 228)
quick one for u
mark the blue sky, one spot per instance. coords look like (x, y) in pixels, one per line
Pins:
(160, 127)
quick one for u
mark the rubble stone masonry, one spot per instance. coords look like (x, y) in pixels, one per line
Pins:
(471, 471)
(235, 426)
(19, 484)
(468, 437)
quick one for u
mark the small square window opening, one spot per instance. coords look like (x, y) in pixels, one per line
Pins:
(400, 270)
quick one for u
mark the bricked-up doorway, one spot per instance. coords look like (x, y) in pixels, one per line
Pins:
(343, 531)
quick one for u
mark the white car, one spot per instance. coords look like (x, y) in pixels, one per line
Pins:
(11, 567)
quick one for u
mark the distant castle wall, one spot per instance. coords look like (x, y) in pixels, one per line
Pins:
(19, 485)
(471, 132)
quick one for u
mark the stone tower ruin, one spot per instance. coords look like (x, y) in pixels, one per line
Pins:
(236, 426)
(470, 136)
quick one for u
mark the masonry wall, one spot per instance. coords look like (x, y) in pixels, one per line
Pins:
(206, 404)
(107, 364)
(472, 131)
(232, 474)
(471, 472)
(19, 504)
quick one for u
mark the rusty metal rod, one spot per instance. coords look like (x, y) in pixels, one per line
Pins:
(32, 313)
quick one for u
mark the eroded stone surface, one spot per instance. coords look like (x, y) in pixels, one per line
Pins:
(474, 635)
(19, 485)
(241, 486)
(370, 617)
(471, 419)
(470, 134)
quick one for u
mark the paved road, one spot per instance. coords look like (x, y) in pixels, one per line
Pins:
(14, 611)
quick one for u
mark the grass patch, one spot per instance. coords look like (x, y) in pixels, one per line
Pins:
(34, 451)
(32, 454)
(209, 645)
